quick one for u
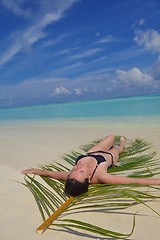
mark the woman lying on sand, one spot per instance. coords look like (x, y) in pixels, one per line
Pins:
(92, 169)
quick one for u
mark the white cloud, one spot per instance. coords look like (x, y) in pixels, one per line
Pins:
(52, 42)
(134, 76)
(106, 39)
(87, 53)
(67, 68)
(46, 13)
(17, 8)
(141, 22)
(40, 83)
(6, 56)
(61, 91)
(80, 91)
(30, 87)
(68, 51)
(33, 90)
(150, 39)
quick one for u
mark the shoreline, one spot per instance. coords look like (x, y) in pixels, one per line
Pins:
(28, 144)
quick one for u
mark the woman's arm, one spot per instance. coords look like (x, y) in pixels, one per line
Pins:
(52, 174)
(113, 179)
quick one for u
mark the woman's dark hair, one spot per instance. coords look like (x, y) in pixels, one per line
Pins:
(74, 188)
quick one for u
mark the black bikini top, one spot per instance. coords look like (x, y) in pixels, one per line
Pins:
(99, 158)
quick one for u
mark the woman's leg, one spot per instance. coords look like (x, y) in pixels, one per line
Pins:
(104, 145)
(115, 151)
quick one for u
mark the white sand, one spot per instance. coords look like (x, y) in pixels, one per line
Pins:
(30, 144)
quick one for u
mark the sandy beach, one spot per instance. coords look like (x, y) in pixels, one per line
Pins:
(32, 143)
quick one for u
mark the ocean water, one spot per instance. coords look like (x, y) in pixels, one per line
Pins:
(109, 108)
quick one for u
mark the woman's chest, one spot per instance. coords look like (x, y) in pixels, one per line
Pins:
(100, 169)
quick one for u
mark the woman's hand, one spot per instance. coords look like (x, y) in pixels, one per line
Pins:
(28, 171)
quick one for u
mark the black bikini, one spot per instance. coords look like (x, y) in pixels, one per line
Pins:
(99, 158)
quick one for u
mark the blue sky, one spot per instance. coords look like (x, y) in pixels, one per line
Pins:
(73, 50)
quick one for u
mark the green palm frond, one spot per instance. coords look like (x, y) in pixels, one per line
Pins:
(136, 161)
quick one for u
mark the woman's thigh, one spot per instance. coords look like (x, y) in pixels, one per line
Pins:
(103, 145)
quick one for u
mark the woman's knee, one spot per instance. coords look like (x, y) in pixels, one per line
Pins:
(111, 137)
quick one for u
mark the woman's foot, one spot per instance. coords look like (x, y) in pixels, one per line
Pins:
(121, 144)
(122, 140)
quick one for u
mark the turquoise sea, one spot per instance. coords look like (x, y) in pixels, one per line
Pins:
(109, 108)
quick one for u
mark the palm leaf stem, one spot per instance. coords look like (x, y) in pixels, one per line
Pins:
(54, 216)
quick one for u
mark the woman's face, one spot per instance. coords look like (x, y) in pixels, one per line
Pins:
(79, 172)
